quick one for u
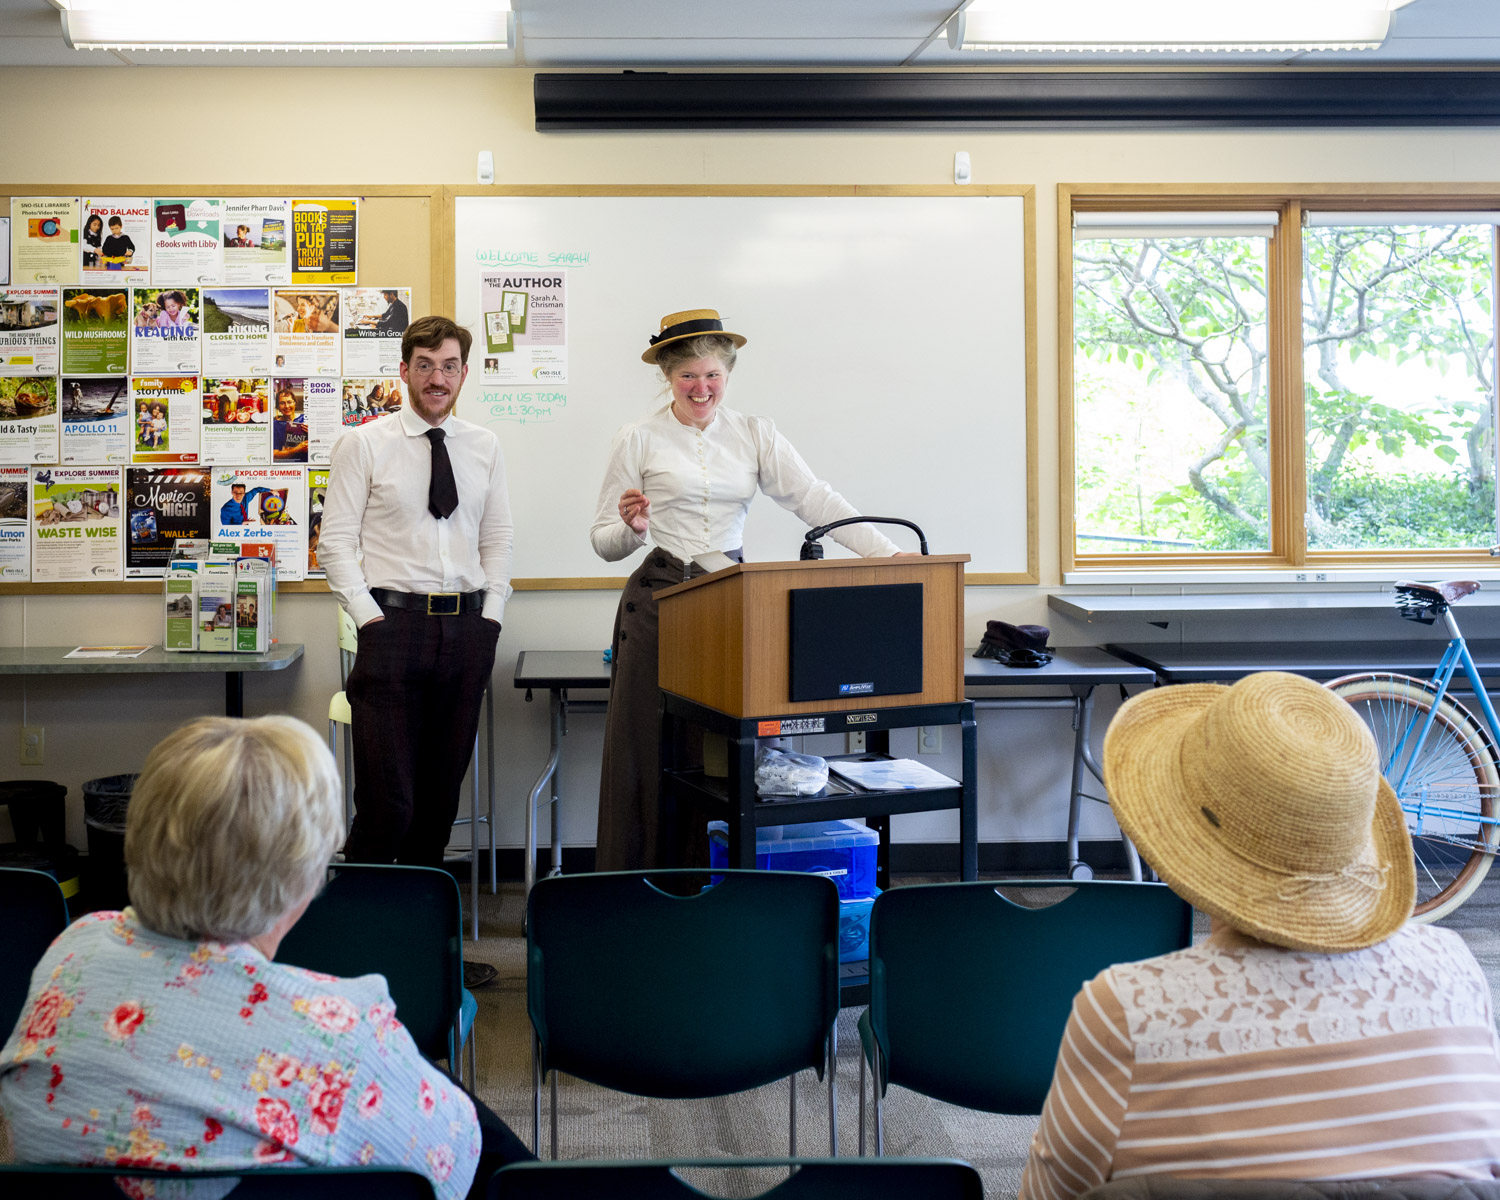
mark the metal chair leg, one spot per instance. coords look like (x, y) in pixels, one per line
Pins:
(792, 1109)
(554, 1116)
(861, 1100)
(455, 1056)
(833, 1095)
(489, 777)
(536, 1095)
(879, 1101)
(474, 844)
(473, 1060)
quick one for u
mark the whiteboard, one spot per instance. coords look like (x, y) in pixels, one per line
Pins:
(887, 339)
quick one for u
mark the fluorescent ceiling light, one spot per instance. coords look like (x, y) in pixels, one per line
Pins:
(1173, 25)
(287, 24)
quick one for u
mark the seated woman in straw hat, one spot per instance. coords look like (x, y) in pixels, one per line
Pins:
(1315, 1034)
(166, 1036)
(684, 478)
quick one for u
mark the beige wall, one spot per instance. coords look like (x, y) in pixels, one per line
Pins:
(346, 128)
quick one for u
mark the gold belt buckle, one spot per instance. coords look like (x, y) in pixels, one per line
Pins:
(442, 604)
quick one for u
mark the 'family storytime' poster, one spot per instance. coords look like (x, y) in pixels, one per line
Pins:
(75, 514)
(95, 331)
(28, 419)
(264, 504)
(164, 330)
(162, 505)
(95, 419)
(185, 249)
(43, 240)
(166, 411)
(29, 342)
(324, 241)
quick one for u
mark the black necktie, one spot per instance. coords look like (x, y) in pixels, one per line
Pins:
(442, 492)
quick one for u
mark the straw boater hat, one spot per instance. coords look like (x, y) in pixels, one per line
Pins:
(692, 323)
(1263, 805)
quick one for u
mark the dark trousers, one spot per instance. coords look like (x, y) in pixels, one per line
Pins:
(415, 691)
(498, 1145)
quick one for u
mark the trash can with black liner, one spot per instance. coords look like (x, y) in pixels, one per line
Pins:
(105, 803)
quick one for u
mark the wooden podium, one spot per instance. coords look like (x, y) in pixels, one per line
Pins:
(725, 638)
(727, 650)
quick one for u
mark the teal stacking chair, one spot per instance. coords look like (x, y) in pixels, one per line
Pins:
(262, 1183)
(969, 992)
(405, 923)
(650, 983)
(812, 1179)
(35, 912)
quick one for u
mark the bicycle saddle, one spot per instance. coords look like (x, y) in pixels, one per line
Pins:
(1449, 591)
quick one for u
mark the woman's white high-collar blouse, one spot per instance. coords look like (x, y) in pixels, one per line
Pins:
(700, 483)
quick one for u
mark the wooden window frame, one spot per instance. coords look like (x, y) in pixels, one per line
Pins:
(1286, 413)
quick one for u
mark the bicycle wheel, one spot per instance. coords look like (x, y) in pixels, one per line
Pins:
(1452, 781)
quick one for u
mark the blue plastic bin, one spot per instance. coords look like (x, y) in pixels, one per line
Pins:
(842, 850)
(854, 928)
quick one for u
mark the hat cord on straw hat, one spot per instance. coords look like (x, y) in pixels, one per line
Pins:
(1298, 887)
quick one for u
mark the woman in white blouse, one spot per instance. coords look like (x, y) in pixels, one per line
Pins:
(683, 479)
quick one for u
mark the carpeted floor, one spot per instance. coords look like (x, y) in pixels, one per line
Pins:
(595, 1123)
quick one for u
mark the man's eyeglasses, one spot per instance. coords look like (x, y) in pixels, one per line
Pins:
(449, 370)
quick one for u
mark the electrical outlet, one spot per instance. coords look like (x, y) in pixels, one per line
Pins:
(854, 743)
(33, 742)
(1321, 577)
(1301, 577)
(930, 739)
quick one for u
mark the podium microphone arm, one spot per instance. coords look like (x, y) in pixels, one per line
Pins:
(812, 549)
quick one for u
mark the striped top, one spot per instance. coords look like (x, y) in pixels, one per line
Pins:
(1240, 1059)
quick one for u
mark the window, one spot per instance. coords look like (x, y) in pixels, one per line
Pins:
(1283, 384)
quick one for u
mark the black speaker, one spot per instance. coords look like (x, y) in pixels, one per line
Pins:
(856, 641)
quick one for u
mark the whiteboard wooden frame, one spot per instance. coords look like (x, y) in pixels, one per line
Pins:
(444, 283)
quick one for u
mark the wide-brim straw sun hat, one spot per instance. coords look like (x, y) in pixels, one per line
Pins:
(1262, 804)
(692, 323)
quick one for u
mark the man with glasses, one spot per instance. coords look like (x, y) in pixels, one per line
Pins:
(423, 495)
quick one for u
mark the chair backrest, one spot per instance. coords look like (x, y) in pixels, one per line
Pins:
(265, 1183)
(1164, 1187)
(969, 992)
(867, 1178)
(401, 922)
(34, 913)
(699, 993)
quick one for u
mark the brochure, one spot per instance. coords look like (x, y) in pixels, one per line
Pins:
(525, 327)
(324, 241)
(305, 332)
(107, 652)
(236, 420)
(256, 248)
(44, 240)
(95, 419)
(115, 246)
(28, 419)
(165, 325)
(236, 331)
(317, 493)
(323, 418)
(374, 320)
(185, 249)
(15, 529)
(166, 412)
(95, 331)
(75, 525)
(29, 341)
(162, 505)
(264, 504)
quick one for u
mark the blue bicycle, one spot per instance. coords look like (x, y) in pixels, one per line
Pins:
(1437, 755)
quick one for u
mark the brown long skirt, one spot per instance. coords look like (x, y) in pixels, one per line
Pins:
(630, 779)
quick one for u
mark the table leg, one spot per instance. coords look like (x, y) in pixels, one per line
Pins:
(878, 741)
(554, 867)
(489, 775)
(234, 693)
(742, 803)
(1083, 703)
(968, 813)
(548, 772)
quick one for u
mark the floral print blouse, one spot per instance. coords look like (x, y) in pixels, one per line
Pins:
(141, 1050)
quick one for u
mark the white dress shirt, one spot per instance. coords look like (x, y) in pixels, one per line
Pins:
(377, 503)
(700, 483)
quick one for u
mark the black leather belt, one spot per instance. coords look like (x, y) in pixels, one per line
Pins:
(434, 604)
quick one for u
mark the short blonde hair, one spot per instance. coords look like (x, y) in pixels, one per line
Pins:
(231, 825)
